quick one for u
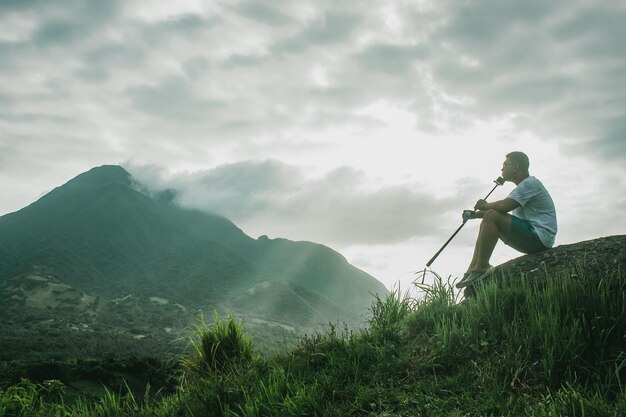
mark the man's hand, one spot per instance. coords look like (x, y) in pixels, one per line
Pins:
(481, 205)
(503, 206)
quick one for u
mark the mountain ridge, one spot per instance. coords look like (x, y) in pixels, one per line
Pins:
(102, 236)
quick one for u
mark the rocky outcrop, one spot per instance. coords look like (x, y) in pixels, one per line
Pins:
(589, 258)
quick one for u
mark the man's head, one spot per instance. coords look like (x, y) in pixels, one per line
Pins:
(515, 167)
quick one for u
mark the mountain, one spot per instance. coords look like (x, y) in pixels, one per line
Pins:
(102, 252)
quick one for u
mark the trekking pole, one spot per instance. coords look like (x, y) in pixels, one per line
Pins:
(498, 181)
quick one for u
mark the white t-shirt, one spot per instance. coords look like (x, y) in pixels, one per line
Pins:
(537, 208)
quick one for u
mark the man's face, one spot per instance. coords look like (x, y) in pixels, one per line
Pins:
(508, 169)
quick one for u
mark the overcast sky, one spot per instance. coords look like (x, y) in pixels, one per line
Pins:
(367, 126)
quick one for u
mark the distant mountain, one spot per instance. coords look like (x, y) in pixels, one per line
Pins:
(102, 246)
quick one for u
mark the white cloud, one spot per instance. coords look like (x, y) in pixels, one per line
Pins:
(557, 65)
(155, 10)
(340, 208)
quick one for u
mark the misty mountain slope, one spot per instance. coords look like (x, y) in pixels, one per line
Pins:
(310, 265)
(289, 260)
(103, 235)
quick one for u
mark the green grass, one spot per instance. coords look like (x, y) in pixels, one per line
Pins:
(518, 348)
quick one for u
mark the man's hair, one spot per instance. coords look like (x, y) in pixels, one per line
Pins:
(520, 159)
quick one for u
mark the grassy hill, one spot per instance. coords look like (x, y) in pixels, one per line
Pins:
(554, 347)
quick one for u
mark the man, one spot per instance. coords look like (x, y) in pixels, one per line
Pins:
(531, 228)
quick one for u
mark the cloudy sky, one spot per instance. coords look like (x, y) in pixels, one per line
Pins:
(363, 125)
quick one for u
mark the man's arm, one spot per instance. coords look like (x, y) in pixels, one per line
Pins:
(503, 206)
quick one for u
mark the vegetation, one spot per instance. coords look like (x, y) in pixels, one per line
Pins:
(518, 348)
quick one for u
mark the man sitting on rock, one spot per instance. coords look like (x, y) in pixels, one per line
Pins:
(531, 228)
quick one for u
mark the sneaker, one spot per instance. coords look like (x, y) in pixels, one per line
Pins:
(458, 284)
(472, 277)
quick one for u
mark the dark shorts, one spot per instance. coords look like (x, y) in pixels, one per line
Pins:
(522, 237)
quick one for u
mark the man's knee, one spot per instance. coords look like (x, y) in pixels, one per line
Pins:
(501, 220)
(492, 216)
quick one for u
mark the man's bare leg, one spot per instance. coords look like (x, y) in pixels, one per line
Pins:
(472, 264)
(493, 226)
